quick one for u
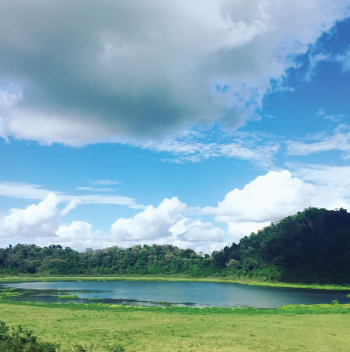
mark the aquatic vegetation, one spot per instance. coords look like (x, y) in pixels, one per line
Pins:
(8, 292)
(67, 296)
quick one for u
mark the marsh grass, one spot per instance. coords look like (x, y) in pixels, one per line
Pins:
(8, 292)
(67, 296)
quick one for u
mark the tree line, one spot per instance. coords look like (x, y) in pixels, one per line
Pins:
(310, 246)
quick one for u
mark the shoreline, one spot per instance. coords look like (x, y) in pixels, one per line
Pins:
(333, 287)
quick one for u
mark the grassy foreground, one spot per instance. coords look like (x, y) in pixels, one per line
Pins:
(100, 327)
(5, 279)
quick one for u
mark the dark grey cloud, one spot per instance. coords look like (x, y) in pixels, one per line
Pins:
(88, 71)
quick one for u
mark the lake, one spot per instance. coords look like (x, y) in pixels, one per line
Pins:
(162, 293)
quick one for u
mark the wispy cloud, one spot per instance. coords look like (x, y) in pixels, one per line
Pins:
(325, 175)
(333, 182)
(195, 147)
(333, 118)
(71, 205)
(33, 191)
(106, 182)
(340, 140)
(344, 60)
(95, 189)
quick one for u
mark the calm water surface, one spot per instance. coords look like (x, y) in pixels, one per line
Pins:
(195, 294)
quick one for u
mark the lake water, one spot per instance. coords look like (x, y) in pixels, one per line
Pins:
(194, 294)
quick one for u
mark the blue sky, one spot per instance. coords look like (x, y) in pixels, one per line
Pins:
(185, 124)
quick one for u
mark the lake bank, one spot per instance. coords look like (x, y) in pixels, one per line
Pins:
(315, 286)
(97, 327)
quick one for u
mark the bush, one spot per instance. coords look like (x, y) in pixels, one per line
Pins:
(335, 301)
(16, 340)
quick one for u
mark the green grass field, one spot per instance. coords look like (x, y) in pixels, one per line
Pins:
(99, 327)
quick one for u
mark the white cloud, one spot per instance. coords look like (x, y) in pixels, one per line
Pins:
(194, 147)
(344, 60)
(324, 175)
(314, 60)
(22, 190)
(333, 118)
(102, 199)
(271, 197)
(237, 230)
(333, 182)
(94, 189)
(106, 182)
(35, 221)
(267, 198)
(190, 230)
(152, 223)
(71, 205)
(41, 224)
(78, 235)
(32, 191)
(340, 140)
(166, 224)
(145, 69)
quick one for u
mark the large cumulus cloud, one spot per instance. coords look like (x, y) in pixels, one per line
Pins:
(34, 221)
(274, 196)
(166, 224)
(41, 223)
(85, 71)
(151, 223)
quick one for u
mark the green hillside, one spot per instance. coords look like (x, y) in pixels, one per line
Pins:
(311, 246)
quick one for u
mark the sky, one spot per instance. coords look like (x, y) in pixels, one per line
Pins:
(170, 122)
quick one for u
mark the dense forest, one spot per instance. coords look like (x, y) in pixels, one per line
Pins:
(311, 246)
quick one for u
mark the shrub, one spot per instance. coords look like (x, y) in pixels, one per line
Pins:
(20, 339)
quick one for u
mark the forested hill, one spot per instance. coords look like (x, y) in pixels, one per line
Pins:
(311, 246)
